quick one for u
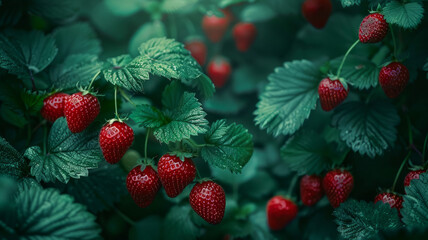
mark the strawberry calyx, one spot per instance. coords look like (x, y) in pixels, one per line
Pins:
(340, 79)
(204, 179)
(144, 162)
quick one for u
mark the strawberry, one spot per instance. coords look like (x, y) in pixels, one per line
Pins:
(394, 200)
(393, 78)
(215, 27)
(198, 50)
(175, 174)
(337, 186)
(412, 175)
(115, 138)
(208, 201)
(80, 110)
(219, 71)
(311, 189)
(143, 183)
(332, 93)
(280, 212)
(244, 35)
(373, 28)
(317, 12)
(53, 106)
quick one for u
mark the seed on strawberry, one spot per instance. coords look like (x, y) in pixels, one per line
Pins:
(143, 185)
(332, 93)
(244, 35)
(373, 28)
(219, 71)
(337, 185)
(53, 106)
(280, 212)
(311, 189)
(198, 50)
(393, 78)
(175, 174)
(80, 111)
(215, 27)
(208, 200)
(394, 200)
(115, 139)
(317, 12)
(412, 175)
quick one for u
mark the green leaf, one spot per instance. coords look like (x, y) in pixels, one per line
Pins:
(203, 83)
(289, 97)
(348, 3)
(362, 220)
(33, 101)
(68, 155)
(53, 10)
(260, 186)
(309, 153)
(415, 205)
(224, 103)
(118, 71)
(124, 7)
(359, 72)
(258, 12)
(46, 214)
(174, 6)
(367, 128)
(11, 161)
(146, 32)
(148, 116)
(26, 53)
(405, 15)
(227, 146)
(178, 224)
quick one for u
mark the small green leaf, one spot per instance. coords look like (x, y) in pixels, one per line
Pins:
(348, 3)
(367, 128)
(178, 224)
(289, 97)
(146, 32)
(415, 205)
(53, 10)
(68, 155)
(227, 146)
(11, 161)
(405, 15)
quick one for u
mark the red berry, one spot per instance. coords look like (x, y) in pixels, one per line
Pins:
(115, 139)
(53, 106)
(394, 200)
(244, 35)
(143, 185)
(280, 212)
(412, 175)
(393, 78)
(219, 71)
(209, 201)
(80, 111)
(337, 186)
(317, 12)
(215, 27)
(175, 174)
(332, 93)
(373, 28)
(198, 50)
(311, 189)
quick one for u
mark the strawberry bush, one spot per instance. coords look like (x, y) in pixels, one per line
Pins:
(203, 119)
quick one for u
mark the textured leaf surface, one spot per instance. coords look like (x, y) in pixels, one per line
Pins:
(348, 3)
(229, 146)
(358, 72)
(367, 128)
(415, 205)
(68, 155)
(146, 32)
(11, 161)
(405, 15)
(53, 10)
(289, 97)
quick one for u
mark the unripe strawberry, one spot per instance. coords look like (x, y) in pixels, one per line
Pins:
(198, 50)
(53, 106)
(280, 212)
(317, 12)
(244, 35)
(373, 28)
(394, 200)
(311, 189)
(208, 200)
(115, 139)
(215, 27)
(80, 111)
(393, 78)
(412, 175)
(219, 71)
(337, 186)
(143, 185)
(332, 93)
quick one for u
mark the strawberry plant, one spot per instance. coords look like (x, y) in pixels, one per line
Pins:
(203, 119)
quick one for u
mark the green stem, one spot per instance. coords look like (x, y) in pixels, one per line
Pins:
(292, 184)
(192, 143)
(400, 169)
(145, 143)
(424, 148)
(394, 41)
(127, 98)
(115, 102)
(344, 58)
(93, 80)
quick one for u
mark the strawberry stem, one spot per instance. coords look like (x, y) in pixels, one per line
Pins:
(394, 56)
(115, 103)
(399, 170)
(93, 80)
(292, 184)
(344, 58)
(145, 143)
(127, 98)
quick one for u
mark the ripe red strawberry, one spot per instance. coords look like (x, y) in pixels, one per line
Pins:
(412, 175)
(143, 185)
(219, 71)
(198, 50)
(337, 186)
(244, 35)
(373, 28)
(394, 200)
(311, 189)
(209, 201)
(80, 111)
(332, 93)
(393, 78)
(215, 27)
(317, 12)
(53, 106)
(115, 139)
(175, 174)
(280, 212)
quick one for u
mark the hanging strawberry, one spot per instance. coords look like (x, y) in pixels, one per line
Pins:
(244, 35)
(332, 93)
(53, 106)
(198, 50)
(219, 70)
(209, 201)
(337, 186)
(80, 110)
(280, 212)
(373, 28)
(311, 189)
(317, 12)
(393, 78)
(215, 27)
(115, 138)
(143, 183)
